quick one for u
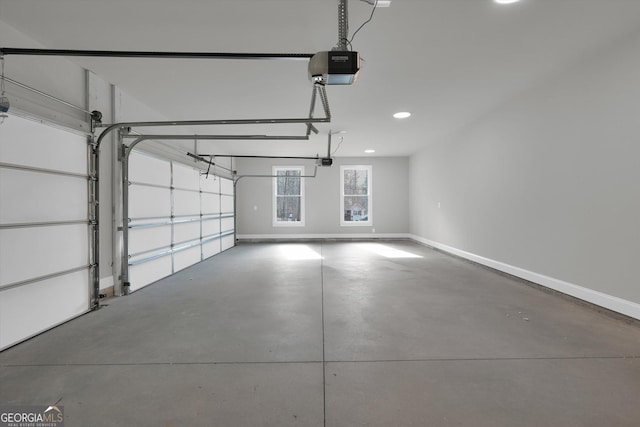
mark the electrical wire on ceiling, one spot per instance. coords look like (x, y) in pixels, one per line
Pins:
(375, 6)
(344, 40)
(338, 146)
(344, 43)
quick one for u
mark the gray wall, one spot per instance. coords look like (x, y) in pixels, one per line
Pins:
(549, 182)
(390, 198)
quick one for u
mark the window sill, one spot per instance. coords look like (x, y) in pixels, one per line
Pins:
(288, 224)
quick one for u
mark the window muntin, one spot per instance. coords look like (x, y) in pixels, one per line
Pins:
(355, 195)
(288, 196)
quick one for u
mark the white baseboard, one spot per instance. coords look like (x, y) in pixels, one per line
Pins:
(610, 302)
(323, 236)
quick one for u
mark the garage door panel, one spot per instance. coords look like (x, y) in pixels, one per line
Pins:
(226, 204)
(186, 232)
(186, 258)
(34, 252)
(210, 227)
(140, 275)
(28, 143)
(228, 242)
(149, 170)
(186, 203)
(210, 184)
(148, 238)
(44, 238)
(227, 224)
(210, 203)
(28, 197)
(226, 186)
(211, 248)
(146, 202)
(185, 177)
(27, 310)
(191, 201)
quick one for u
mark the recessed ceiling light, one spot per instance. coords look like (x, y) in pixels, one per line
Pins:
(506, 1)
(402, 115)
(369, 151)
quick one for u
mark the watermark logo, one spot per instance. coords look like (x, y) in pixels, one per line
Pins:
(31, 416)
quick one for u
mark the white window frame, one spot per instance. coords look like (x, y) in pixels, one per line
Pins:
(369, 221)
(274, 192)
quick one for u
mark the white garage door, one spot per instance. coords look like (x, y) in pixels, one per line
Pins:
(177, 217)
(44, 228)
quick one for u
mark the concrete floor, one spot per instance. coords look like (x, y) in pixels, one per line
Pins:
(408, 336)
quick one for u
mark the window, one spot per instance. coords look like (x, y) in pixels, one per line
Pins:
(355, 195)
(288, 196)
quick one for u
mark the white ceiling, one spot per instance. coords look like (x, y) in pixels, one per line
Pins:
(449, 62)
